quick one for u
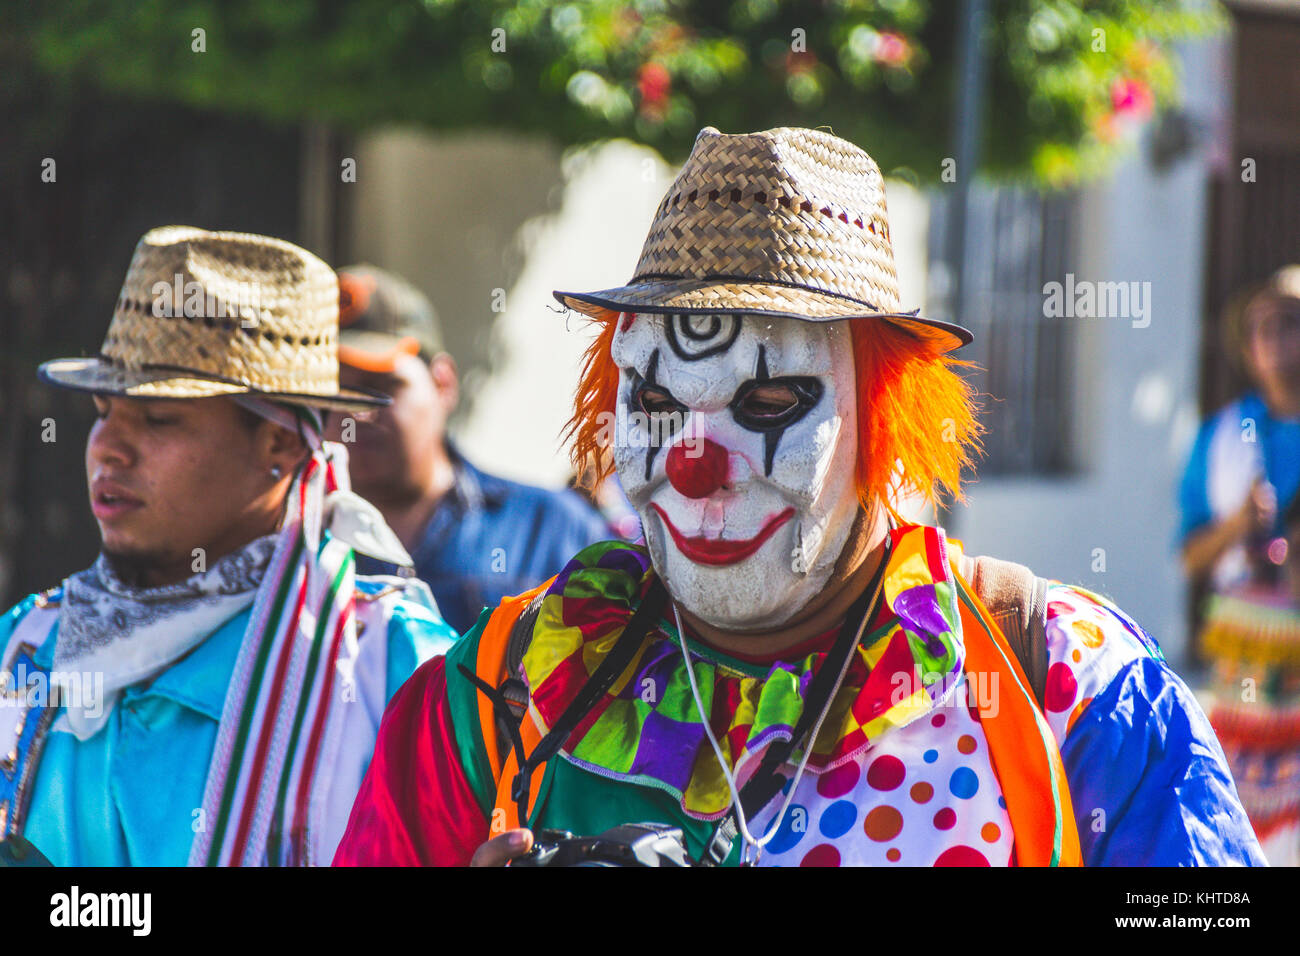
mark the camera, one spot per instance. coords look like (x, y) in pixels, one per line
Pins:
(632, 844)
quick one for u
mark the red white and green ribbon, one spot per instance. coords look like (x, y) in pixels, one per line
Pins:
(275, 726)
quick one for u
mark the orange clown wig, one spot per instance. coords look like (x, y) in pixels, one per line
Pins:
(916, 416)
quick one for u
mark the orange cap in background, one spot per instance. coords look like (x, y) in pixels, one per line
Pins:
(382, 318)
(376, 352)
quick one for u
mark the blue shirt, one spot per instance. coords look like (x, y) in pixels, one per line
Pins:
(1278, 442)
(490, 538)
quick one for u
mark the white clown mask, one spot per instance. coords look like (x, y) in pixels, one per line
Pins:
(737, 446)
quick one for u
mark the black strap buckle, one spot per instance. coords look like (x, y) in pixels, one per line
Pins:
(616, 661)
(719, 848)
(501, 708)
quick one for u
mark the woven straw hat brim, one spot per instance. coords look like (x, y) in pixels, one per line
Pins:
(784, 222)
(668, 296)
(101, 377)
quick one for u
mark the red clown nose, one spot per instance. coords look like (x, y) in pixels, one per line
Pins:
(697, 472)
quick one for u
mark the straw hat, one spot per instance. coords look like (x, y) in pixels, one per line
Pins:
(220, 313)
(788, 222)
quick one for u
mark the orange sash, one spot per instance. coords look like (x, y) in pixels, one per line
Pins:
(1024, 753)
(490, 667)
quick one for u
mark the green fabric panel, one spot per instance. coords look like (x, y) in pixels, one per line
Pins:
(676, 701)
(620, 726)
(597, 582)
(781, 705)
(462, 703)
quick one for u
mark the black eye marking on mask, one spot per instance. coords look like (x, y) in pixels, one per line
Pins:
(661, 402)
(771, 405)
(694, 337)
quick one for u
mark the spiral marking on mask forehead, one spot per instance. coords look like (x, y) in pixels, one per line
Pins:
(693, 336)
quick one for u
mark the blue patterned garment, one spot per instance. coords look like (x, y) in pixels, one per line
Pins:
(130, 795)
(1149, 782)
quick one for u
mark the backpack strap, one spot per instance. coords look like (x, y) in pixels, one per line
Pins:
(1017, 600)
(1023, 750)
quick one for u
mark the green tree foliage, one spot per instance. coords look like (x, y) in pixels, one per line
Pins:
(1066, 78)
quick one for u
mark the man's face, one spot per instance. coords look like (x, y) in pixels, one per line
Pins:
(737, 443)
(392, 449)
(168, 476)
(1273, 343)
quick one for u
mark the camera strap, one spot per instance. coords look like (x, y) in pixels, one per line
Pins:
(766, 783)
(610, 669)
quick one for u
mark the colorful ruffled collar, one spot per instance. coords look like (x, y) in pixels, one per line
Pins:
(647, 730)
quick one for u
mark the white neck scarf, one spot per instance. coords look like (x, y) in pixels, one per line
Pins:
(113, 634)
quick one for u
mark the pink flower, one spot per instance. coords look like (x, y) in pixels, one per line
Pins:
(891, 49)
(1131, 96)
(654, 82)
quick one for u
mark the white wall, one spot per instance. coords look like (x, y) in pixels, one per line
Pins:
(1136, 393)
(592, 242)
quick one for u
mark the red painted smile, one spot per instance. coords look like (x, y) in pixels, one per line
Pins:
(720, 551)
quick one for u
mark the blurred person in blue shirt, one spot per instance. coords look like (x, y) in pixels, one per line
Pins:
(1244, 468)
(475, 537)
(1240, 537)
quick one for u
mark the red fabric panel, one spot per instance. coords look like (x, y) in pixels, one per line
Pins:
(415, 807)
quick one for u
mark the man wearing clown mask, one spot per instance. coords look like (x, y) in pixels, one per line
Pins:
(787, 671)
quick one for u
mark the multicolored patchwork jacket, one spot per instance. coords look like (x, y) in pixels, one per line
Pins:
(934, 751)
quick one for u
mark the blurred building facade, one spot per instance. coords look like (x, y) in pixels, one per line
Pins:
(1090, 418)
(1208, 203)
(77, 190)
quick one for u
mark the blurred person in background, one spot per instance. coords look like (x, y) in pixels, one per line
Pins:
(1245, 464)
(209, 690)
(1241, 514)
(475, 537)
